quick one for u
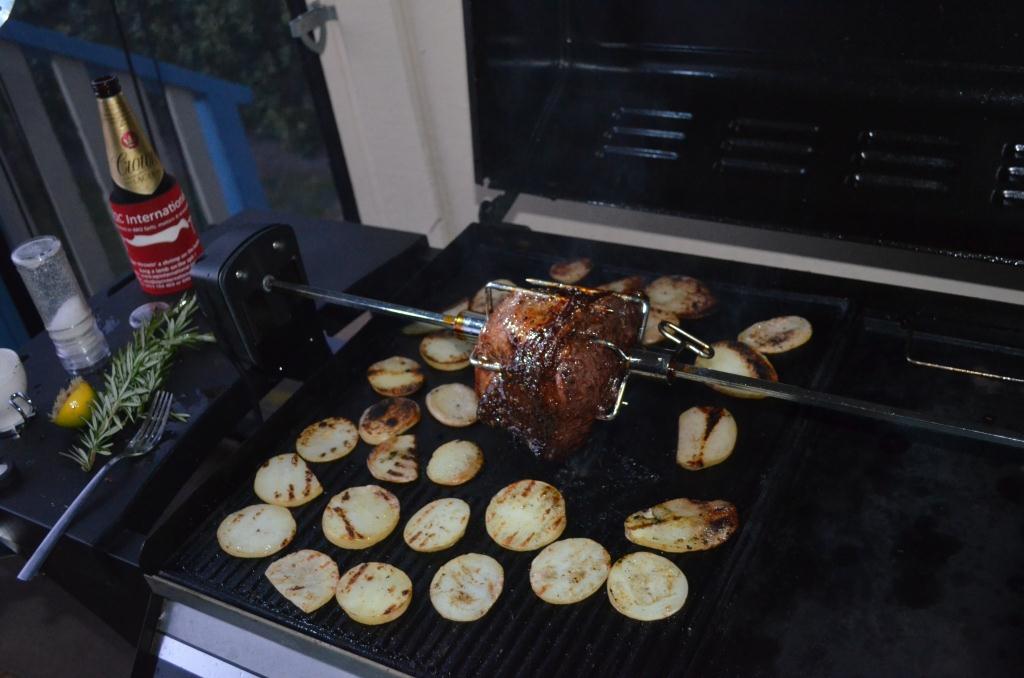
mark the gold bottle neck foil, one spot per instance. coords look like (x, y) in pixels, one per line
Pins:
(134, 165)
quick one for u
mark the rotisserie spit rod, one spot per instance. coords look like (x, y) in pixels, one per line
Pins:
(464, 323)
(663, 366)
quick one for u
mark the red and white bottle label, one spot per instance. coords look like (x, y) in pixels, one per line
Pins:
(161, 241)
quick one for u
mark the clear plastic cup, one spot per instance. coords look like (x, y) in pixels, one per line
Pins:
(43, 265)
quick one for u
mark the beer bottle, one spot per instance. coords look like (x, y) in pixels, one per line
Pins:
(147, 204)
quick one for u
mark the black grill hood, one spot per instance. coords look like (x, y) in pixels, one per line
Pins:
(893, 123)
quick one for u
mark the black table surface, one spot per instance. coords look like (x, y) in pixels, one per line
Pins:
(204, 384)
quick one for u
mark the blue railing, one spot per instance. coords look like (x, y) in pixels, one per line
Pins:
(217, 105)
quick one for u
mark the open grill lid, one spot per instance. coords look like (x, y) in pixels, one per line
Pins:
(900, 124)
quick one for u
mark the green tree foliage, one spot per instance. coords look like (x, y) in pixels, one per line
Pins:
(239, 40)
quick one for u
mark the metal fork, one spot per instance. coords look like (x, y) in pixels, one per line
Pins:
(144, 440)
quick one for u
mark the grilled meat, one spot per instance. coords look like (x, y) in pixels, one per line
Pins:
(554, 379)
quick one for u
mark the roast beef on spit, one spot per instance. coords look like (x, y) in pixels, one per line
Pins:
(546, 379)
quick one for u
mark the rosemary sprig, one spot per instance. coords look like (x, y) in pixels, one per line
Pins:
(134, 373)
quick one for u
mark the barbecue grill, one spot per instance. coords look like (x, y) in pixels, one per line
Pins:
(881, 544)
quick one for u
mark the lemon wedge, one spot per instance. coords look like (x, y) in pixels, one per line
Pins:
(73, 405)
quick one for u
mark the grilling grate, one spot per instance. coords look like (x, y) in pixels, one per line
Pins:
(628, 465)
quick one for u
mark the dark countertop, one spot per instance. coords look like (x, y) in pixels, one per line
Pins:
(205, 385)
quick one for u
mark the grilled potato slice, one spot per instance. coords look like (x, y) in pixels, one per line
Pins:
(387, 419)
(455, 462)
(777, 335)
(256, 531)
(453, 405)
(395, 376)
(359, 517)
(652, 335)
(466, 587)
(571, 271)
(683, 525)
(437, 526)
(630, 285)
(687, 297)
(707, 436)
(374, 593)
(415, 329)
(394, 460)
(526, 515)
(479, 303)
(737, 358)
(326, 440)
(306, 578)
(446, 352)
(569, 571)
(646, 586)
(286, 480)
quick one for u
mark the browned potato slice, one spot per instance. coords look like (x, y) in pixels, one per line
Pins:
(256, 531)
(437, 526)
(526, 515)
(445, 351)
(327, 440)
(651, 333)
(286, 480)
(571, 271)
(479, 303)
(394, 460)
(374, 593)
(646, 586)
(687, 297)
(455, 462)
(387, 419)
(569, 571)
(630, 285)
(466, 587)
(307, 578)
(453, 405)
(359, 517)
(395, 376)
(735, 357)
(777, 335)
(707, 436)
(683, 525)
(415, 329)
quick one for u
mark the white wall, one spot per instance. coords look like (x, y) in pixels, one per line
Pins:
(397, 74)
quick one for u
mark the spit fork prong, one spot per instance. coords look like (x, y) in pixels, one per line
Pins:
(681, 337)
(621, 390)
(639, 299)
(493, 285)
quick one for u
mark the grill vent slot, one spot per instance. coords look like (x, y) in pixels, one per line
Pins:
(778, 147)
(1009, 190)
(647, 133)
(904, 161)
